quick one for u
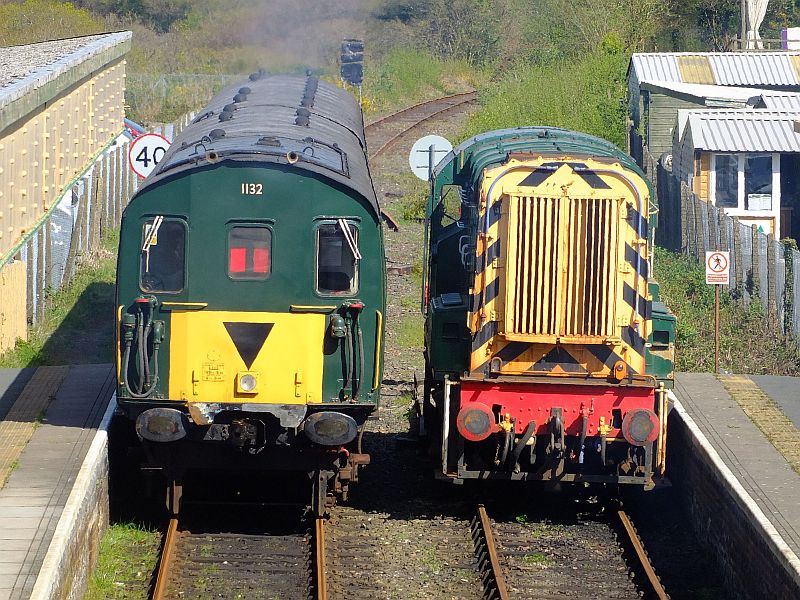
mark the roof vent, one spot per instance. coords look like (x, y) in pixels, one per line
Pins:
(310, 91)
(229, 108)
(226, 116)
(302, 117)
(257, 75)
(216, 134)
(245, 90)
(240, 98)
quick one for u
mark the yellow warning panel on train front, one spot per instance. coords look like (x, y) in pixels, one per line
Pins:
(270, 358)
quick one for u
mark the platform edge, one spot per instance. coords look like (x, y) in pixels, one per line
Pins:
(780, 549)
(56, 579)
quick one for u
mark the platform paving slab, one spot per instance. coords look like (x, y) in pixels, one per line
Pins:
(764, 473)
(32, 500)
(22, 418)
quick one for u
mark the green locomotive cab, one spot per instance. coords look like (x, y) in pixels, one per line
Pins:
(251, 292)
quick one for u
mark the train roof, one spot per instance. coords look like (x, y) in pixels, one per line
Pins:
(493, 147)
(285, 119)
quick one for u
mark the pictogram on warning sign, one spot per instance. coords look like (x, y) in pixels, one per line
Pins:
(718, 267)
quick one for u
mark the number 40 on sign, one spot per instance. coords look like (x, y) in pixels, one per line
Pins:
(145, 153)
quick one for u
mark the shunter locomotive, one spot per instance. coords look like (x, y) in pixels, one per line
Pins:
(251, 290)
(548, 353)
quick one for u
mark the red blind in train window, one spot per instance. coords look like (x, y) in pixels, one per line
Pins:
(249, 252)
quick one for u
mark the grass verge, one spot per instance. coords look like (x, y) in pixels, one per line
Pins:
(78, 326)
(128, 556)
(748, 343)
(407, 75)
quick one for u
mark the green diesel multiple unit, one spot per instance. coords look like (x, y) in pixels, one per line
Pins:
(251, 289)
(548, 354)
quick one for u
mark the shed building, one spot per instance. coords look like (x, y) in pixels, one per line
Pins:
(660, 84)
(746, 162)
(61, 106)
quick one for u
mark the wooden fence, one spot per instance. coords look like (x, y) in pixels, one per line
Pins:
(762, 268)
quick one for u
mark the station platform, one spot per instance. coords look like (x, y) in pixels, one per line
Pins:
(48, 419)
(753, 424)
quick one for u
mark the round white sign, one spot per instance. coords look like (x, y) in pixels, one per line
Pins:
(145, 153)
(420, 157)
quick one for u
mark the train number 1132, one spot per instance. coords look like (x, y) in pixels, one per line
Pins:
(252, 189)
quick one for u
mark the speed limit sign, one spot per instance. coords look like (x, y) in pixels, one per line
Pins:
(145, 153)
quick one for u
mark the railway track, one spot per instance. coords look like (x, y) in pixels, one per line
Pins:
(212, 557)
(384, 133)
(588, 559)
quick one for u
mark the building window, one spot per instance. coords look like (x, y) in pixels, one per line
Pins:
(758, 182)
(249, 252)
(161, 267)
(726, 177)
(337, 259)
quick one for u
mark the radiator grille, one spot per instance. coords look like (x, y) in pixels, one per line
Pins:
(561, 278)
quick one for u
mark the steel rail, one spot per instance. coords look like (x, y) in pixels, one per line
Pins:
(644, 560)
(407, 109)
(460, 100)
(165, 562)
(320, 567)
(491, 573)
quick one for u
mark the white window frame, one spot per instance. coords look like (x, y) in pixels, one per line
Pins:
(741, 200)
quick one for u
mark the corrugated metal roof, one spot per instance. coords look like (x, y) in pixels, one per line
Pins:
(758, 130)
(705, 92)
(729, 68)
(781, 100)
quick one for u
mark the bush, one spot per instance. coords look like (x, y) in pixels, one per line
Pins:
(748, 343)
(585, 95)
(406, 75)
(40, 20)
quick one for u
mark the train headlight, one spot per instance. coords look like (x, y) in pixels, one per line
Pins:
(476, 422)
(640, 426)
(330, 428)
(247, 383)
(161, 425)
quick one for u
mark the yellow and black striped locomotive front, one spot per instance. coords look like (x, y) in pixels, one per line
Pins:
(563, 377)
(251, 287)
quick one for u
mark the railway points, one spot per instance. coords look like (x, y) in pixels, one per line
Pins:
(45, 436)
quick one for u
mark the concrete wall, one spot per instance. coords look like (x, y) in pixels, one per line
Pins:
(751, 564)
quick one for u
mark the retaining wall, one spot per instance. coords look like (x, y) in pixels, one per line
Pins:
(752, 558)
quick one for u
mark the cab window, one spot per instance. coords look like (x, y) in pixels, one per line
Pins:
(249, 252)
(163, 250)
(337, 259)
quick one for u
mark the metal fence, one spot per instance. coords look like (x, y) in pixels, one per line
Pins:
(85, 214)
(762, 267)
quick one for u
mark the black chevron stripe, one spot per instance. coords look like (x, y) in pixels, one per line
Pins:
(558, 357)
(634, 259)
(484, 334)
(638, 222)
(477, 300)
(641, 305)
(631, 337)
(487, 257)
